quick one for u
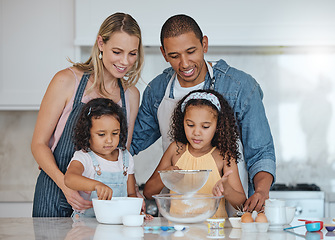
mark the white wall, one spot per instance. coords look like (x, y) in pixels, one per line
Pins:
(37, 36)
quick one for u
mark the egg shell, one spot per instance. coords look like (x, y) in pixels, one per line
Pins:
(254, 214)
(261, 218)
(247, 218)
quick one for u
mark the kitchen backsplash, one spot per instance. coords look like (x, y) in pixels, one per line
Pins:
(299, 97)
(18, 169)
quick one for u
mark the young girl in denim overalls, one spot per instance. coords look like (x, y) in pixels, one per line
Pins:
(101, 167)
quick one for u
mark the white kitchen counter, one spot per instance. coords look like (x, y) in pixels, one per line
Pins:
(65, 228)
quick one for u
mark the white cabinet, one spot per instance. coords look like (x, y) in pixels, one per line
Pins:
(36, 37)
(226, 23)
(260, 23)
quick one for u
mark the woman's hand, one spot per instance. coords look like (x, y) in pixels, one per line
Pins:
(103, 191)
(75, 200)
(218, 189)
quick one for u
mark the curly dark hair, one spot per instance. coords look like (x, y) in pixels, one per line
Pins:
(226, 134)
(95, 109)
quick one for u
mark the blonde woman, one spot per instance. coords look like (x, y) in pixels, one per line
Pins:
(111, 71)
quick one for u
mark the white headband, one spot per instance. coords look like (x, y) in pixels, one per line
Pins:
(202, 95)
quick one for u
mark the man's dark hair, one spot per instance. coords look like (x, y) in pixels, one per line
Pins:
(180, 24)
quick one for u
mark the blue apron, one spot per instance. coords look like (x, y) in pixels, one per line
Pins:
(117, 181)
(49, 200)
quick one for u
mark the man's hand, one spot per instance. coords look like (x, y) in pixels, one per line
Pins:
(256, 201)
(262, 181)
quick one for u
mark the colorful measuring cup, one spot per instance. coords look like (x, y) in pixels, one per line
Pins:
(310, 227)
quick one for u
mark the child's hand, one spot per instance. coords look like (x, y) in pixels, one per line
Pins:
(172, 168)
(139, 195)
(147, 216)
(176, 176)
(218, 188)
(103, 191)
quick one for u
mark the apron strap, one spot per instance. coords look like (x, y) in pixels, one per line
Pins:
(172, 86)
(81, 89)
(210, 74)
(123, 99)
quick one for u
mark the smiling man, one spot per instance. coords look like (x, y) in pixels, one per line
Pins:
(184, 46)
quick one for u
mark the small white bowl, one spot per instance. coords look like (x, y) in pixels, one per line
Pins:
(235, 222)
(133, 220)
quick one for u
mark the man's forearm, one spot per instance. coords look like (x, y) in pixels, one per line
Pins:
(262, 182)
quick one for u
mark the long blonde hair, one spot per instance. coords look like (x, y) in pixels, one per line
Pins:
(117, 22)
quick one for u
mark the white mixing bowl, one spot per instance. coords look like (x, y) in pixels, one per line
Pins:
(112, 211)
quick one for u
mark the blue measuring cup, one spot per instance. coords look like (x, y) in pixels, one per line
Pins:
(310, 227)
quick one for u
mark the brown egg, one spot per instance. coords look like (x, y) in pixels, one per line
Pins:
(261, 218)
(247, 218)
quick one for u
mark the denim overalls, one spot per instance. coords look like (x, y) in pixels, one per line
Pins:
(49, 200)
(117, 181)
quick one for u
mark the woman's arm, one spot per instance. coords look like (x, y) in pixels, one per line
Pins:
(58, 94)
(75, 180)
(230, 185)
(155, 185)
(134, 102)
